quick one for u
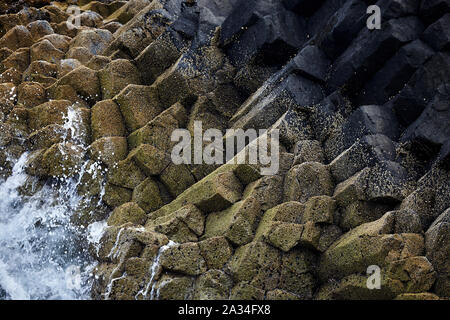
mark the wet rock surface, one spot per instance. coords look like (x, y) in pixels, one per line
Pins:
(364, 130)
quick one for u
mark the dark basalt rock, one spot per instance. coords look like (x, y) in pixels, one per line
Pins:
(262, 31)
(370, 50)
(421, 88)
(431, 130)
(388, 81)
(303, 7)
(364, 156)
(432, 10)
(438, 34)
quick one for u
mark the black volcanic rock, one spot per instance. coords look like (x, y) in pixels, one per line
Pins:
(262, 31)
(421, 88)
(388, 81)
(437, 35)
(432, 10)
(370, 50)
(431, 130)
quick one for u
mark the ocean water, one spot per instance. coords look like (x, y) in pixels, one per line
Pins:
(43, 254)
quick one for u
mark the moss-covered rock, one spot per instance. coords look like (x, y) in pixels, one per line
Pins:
(116, 76)
(437, 251)
(245, 291)
(212, 285)
(171, 287)
(173, 227)
(115, 195)
(84, 81)
(183, 225)
(296, 275)
(279, 294)
(185, 258)
(307, 180)
(256, 263)
(128, 212)
(30, 94)
(237, 223)
(159, 131)
(193, 218)
(126, 174)
(354, 287)
(268, 190)
(284, 236)
(109, 150)
(94, 40)
(415, 273)
(320, 209)
(288, 212)
(359, 212)
(177, 178)
(139, 105)
(106, 120)
(417, 296)
(19, 60)
(216, 251)
(147, 195)
(17, 37)
(368, 245)
(62, 160)
(46, 51)
(151, 160)
(51, 112)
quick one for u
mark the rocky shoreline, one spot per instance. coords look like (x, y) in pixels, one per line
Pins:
(364, 123)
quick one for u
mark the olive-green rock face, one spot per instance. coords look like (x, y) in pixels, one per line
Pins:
(106, 120)
(116, 76)
(126, 174)
(307, 180)
(257, 264)
(128, 212)
(359, 212)
(184, 258)
(52, 112)
(245, 291)
(216, 251)
(284, 236)
(109, 150)
(288, 212)
(212, 285)
(151, 160)
(183, 225)
(177, 178)
(437, 251)
(84, 81)
(115, 195)
(237, 223)
(368, 245)
(62, 160)
(320, 209)
(173, 288)
(147, 195)
(158, 131)
(30, 94)
(217, 191)
(138, 104)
